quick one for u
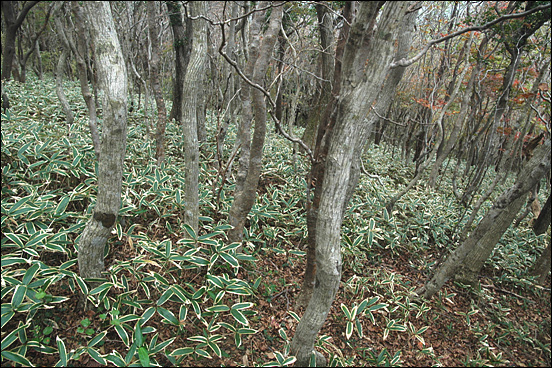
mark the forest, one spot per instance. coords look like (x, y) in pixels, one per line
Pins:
(276, 183)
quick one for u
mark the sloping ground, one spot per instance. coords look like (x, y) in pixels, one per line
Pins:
(176, 302)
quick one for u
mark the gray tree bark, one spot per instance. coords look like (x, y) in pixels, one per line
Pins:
(253, 109)
(69, 116)
(468, 259)
(81, 51)
(153, 13)
(112, 77)
(361, 86)
(182, 35)
(193, 92)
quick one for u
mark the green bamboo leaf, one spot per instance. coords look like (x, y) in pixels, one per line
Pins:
(17, 358)
(6, 318)
(122, 334)
(168, 315)
(346, 311)
(82, 284)
(116, 359)
(30, 274)
(215, 280)
(199, 293)
(215, 348)
(190, 231)
(138, 337)
(202, 353)
(165, 296)
(377, 306)
(162, 345)
(16, 239)
(99, 337)
(218, 308)
(96, 356)
(147, 315)
(13, 336)
(230, 260)
(240, 306)
(144, 356)
(182, 351)
(62, 350)
(349, 329)
(18, 296)
(60, 208)
(198, 338)
(10, 261)
(36, 238)
(238, 316)
(102, 287)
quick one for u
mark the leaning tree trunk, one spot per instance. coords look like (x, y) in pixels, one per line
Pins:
(468, 259)
(193, 92)
(360, 88)
(112, 77)
(252, 153)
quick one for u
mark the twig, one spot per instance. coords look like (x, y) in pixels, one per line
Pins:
(406, 62)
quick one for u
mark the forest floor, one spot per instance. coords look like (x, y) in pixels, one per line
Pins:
(47, 185)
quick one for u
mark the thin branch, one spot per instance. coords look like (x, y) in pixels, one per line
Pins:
(406, 62)
(227, 21)
(265, 92)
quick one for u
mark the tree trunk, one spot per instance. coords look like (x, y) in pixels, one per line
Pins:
(69, 117)
(182, 35)
(325, 30)
(542, 266)
(229, 100)
(39, 68)
(468, 259)
(423, 165)
(155, 82)
(360, 87)
(12, 24)
(193, 89)
(322, 121)
(65, 52)
(253, 105)
(459, 121)
(112, 78)
(543, 221)
(81, 51)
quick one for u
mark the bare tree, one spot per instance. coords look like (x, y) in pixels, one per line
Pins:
(153, 31)
(12, 23)
(193, 91)
(253, 109)
(467, 260)
(112, 77)
(361, 84)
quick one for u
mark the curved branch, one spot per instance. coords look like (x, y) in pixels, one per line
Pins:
(265, 92)
(406, 62)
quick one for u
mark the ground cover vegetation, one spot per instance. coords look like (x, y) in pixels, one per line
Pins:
(408, 226)
(170, 299)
